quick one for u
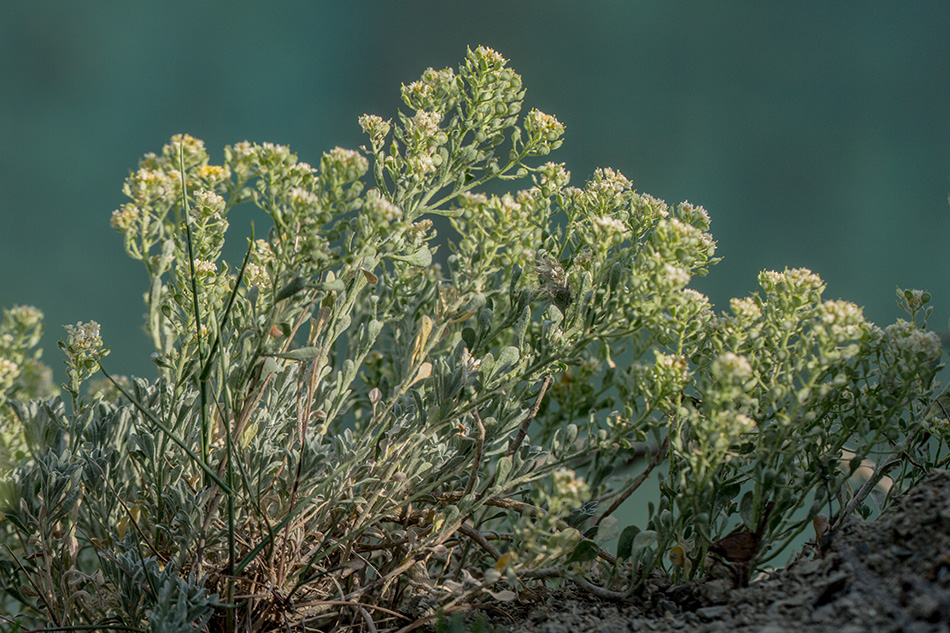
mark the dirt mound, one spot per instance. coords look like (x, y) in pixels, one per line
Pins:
(888, 575)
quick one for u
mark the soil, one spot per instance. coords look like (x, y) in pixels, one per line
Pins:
(887, 575)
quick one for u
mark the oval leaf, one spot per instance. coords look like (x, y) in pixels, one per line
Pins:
(625, 542)
(586, 550)
(502, 471)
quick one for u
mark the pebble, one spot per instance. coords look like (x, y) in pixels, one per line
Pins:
(711, 613)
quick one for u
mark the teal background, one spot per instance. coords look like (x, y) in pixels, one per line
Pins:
(815, 133)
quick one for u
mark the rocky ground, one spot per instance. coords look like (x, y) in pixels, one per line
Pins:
(888, 575)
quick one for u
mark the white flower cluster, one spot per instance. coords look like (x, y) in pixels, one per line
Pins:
(256, 275)
(672, 368)
(745, 309)
(650, 207)
(609, 225)
(552, 176)
(427, 123)
(470, 199)
(797, 279)
(605, 189)
(675, 276)
(301, 169)
(567, 485)
(730, 365)
(302, 197)
(421, 164)
(154, 184)
(209, 201)
(543, 126)
(124, 217)
(188, 144)
(507, 206)
(695, 215)
(915, 349)
(436, 89)
(82, 340)
(843, 318)
(694, 299)
(205, 268)
(489, 56)
(243, 151)
(8, 370)
(742, 424)
(25, 316)
(375, 127)
(349, 159)
(382, 208)
(269, 153)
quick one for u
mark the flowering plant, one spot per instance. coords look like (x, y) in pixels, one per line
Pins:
(345, 429)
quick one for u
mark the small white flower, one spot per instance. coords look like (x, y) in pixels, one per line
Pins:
(730, 365)
(82, 340)
(124, 217)
(8, 370)
(489, 55)
(243, 150)
(349, 160)
(745, 309)
(427, 122)
(204, 267)
(676, 276)
(188, 144)
(256, 275)
(743, 424)
(209, 200)
(302, 197)
(695, 298)
(421, 164)
(843, 317)
(375, 126)
(544, 126)
(610, 225)
(672, 367)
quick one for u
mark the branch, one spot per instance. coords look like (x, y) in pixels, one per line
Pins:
(523, 431)
(657, 458)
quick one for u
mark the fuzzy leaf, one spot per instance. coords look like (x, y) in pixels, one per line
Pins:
(585, 551)
(502, 470)
(422, 257)
(303, 353)
(625, 542)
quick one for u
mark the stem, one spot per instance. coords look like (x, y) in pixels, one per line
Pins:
(523, 431)
(636, 483)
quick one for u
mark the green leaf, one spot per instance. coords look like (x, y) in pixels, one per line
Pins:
(292, 287)
(745, 508)
(642, 541)
(469, 337)
(422, 257)
(502, 470)
(449, 213)
(508, 356)
(522, 326)
(625, 542)
(586, 550)
(608, 529)
(332, 285)
(304, 353)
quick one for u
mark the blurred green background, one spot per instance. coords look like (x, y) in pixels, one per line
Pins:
(814, 132)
